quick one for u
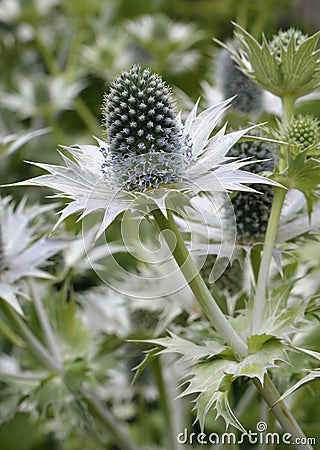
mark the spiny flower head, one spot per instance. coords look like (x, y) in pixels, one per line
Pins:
(252, 209)
(140, 120)
(281, 40)
(150, 158)
(233, 82)
(304, 131)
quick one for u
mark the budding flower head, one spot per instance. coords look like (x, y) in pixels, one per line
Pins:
(303, 131)
(282, 39)
(287, 65)
(252, 209)
(146, 148)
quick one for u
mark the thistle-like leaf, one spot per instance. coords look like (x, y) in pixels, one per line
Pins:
(188, 349)
(207, 378)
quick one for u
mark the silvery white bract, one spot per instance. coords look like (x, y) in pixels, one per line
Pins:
(22, 252)
(149, 157)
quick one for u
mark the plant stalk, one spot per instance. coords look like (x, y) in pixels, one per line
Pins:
(287, 108)
(198, 286)
(272, 229)
(279, 195)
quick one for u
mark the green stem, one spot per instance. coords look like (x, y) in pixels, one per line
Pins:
(288, 108)
(52, 124)
(197, 285)
(165, 404)
(119, 434)
(288, 111)
(260, 296)
(35, 346)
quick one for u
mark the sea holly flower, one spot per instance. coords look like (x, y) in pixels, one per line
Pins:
(287, 65)
(23, 248)
(149, 157)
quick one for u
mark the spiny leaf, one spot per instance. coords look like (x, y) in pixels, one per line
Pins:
(140, 367)
(279, 318)
(224, 410)
(256, 341)
(302, 173)
(188, 349)
(257, 364)
(207, 378)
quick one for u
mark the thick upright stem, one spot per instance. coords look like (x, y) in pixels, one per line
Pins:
(198, 286)
(279, 196)
(287, 108)
(260, 296)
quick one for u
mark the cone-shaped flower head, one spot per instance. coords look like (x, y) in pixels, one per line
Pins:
(139, 118)
(150, 157)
